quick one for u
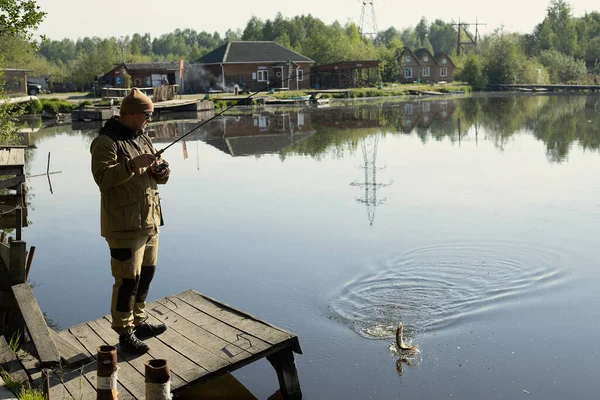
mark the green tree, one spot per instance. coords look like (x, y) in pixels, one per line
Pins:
(18, 19)
(253, 30)
(442, 36)
(473, 72)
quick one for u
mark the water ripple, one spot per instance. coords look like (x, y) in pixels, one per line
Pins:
(432, 288)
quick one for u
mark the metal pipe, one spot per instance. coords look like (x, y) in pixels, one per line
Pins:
(106, 373)
(158, 380)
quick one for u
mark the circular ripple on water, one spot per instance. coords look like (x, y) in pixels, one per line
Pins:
(434, 287)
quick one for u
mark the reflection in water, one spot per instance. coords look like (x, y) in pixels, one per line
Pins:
(557, 120)
(257, 133)
(370, 200)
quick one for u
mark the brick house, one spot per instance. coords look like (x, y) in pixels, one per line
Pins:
(424, 114)
(255, 65)
(423, 66)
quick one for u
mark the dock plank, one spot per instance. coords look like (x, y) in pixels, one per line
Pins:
(90, 370)
(12, 182)
(130, 379)
(70, 354)
(30, 362)
(237, 318)
(198, 334)
(36, 324)
(217, 327)
(77, 381)
(10, 363)
(12, 156)
(4, 154)
(180, 336)
(21, 157)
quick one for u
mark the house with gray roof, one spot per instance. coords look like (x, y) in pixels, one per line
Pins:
(255, 66)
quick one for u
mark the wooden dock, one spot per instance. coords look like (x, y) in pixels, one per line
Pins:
(13, 207)
(205, 339)
(94, 113)
(540, 88)
(183, 106)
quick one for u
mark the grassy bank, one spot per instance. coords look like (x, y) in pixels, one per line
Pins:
(223, 100)
(53, 106)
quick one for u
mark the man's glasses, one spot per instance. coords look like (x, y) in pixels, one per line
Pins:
(148, 115)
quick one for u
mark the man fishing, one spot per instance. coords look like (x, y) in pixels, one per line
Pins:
(128, 171)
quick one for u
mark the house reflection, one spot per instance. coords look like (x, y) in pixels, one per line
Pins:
(423, 114)
(262, 132)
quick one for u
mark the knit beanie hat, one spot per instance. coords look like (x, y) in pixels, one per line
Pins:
(136, 102)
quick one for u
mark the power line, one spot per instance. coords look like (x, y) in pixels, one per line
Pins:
(470, 41)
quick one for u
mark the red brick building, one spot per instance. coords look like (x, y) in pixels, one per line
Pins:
(255, 66)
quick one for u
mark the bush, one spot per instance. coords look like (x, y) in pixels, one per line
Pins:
(473, 72)
(33, 107)
(562, 68)
(85, 103)
(57, 106)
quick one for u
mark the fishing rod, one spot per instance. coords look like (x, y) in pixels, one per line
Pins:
(157, 154)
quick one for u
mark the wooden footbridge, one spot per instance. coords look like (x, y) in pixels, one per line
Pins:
(205, 338)
(543, 88)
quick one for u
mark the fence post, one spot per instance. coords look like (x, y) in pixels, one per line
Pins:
(16, 267)
(106, 382)
(158, 380)
(46, 383)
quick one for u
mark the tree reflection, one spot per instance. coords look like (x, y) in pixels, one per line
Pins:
(558, 120)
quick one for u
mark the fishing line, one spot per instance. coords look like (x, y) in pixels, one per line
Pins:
(157, 154)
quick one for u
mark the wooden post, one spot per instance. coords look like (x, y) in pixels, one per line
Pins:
(106, 381)
(19, 222)
(158, 380)
(16, 268)
(287, 374)
(29, 261)
(46, 383)
(17, 262)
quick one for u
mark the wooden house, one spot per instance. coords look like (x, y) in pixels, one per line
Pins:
(15, 81)
(254, 66)
(424, 114)
(347, 74)
(142, 75)
(422, 66)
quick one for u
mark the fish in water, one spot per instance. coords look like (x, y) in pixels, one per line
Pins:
(403, 347)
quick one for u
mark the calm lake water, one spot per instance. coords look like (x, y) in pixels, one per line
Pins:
(474, 221)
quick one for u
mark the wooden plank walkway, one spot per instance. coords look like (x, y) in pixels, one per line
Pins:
(12, 161)
(533, 87)
(205, 339)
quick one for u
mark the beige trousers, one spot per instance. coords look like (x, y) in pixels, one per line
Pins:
(133, 263)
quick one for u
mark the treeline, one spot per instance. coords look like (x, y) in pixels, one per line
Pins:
(561, 49)
(556, 51)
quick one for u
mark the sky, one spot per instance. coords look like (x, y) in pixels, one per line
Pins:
(79, 18)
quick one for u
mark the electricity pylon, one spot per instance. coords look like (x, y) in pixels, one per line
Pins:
(370, 200)
(368, 22)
